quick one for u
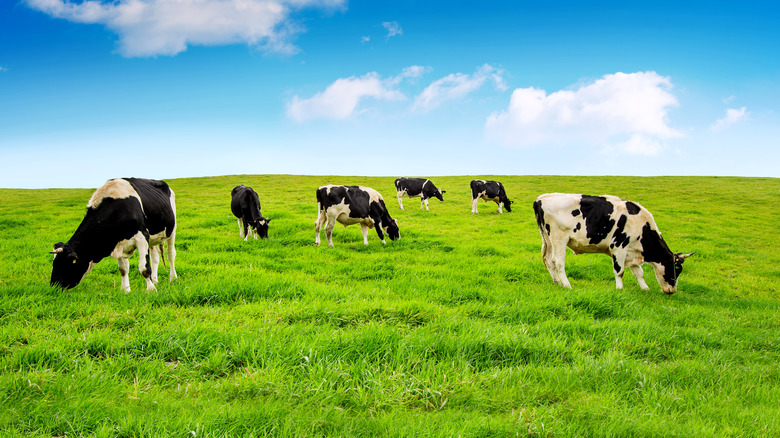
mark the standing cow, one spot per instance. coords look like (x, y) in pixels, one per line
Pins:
(123, 215)
(350, 205)
(245, 205)
(624, 230)
(489, 191)
(412, 187)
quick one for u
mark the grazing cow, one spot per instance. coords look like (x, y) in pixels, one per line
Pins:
(489, 191)
(123, 215)
(421, 187)
(353, 205)
(624, 230)
(245, 205)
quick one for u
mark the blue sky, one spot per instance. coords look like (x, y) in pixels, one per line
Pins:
(91, 90)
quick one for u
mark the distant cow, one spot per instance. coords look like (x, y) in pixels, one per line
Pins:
(245, 205)
(353, 205)
(489, 191)
(412, 187)
(624, 230)
(123, 215)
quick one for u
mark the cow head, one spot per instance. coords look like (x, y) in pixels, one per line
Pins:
(438, 194)
(507, 204)
(67, 269)
(668, 273)
(392, 230)
(261, 227)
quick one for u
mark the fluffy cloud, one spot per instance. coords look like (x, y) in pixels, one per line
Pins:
(457, 85)
(167, 27)
(393, 29)
(732, 116)
(626, 109)
(341, 98)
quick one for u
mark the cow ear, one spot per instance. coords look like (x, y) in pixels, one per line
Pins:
(267, 220)
(444, 191)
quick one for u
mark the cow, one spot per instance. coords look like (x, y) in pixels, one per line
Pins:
(605, 224)
(413, 187)
(353, 205)
(123, 215)
(489, 191)
(245, 205)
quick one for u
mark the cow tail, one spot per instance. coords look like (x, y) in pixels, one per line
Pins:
(162, 255)
(539, 213)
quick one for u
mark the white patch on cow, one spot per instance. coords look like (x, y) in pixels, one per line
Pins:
(116, 189)
(372, 194)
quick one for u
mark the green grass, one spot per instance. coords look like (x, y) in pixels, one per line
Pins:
(455, 330)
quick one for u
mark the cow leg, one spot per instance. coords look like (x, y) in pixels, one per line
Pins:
(400, 196)
(500, 208)
(247, 230)
(640, 276)
(142, 244)
(425, 200)
(241, 228)
(474, 205)
(318, 226)
(558, 260)
(329, 230)
(172, 255)
(364, 230)
(154, 253)
(124, 270)
(547, 259)
(618, 266)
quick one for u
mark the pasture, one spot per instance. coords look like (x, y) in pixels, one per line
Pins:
(454, 330)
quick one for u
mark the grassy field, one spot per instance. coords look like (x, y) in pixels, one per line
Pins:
(454, 330)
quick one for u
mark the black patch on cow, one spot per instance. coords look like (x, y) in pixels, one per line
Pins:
(620, 238)
(156, 198)
(632, 208)
(578, 226)
(596, 211)
(615, 265)
(418, 187)
(493, 190)
(654, 249)
(539, 213)
(575, 213)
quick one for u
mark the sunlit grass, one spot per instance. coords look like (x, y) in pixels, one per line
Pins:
(454, 330)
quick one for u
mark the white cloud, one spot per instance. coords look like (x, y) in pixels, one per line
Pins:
(457, 85)
(342, 97)
(732, 116)
(3, 69)
(365, 39)
(393, 29)
(626, 109)
(167, 27)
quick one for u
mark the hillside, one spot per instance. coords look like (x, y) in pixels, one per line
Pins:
(454, 330)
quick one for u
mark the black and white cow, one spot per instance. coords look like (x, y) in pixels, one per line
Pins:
(245, 205)
(123, 215)
(413, 187)
(350, 205)
(624, 230)
(489, 191)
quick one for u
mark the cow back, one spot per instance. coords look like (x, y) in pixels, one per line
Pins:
(157, 203)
